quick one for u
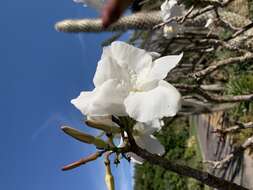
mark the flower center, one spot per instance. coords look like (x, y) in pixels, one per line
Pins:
(133, 80)
(137, 80)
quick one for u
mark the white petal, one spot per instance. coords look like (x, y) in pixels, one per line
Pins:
(83, 101)
(164, 100)
(121, 143)
(145, 140)
(106, 52)
(166, 9)
(106, 99)
(150, 143)
(164, 65)
(154, 55)
(170, 9)
(174, 102)
(169, 31)
(134, 158)
(107, 69)
(147, 128)
(128, 56)
(209, 22)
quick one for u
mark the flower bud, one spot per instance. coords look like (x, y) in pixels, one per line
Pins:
(102, 126)
(109, 179)
(85, 137)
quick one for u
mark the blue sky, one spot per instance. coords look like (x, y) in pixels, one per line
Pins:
(41, 71)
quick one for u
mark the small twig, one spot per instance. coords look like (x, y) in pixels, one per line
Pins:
(224, 23)
(235, 128)
(223, 44)
(202, 90)
(192, 106)
(241, 31)
(218, 64)
(218, 2)
(201, 11)
(187, 14)
(207, 110)
(225, 99)
(192, 88)
(178, 19)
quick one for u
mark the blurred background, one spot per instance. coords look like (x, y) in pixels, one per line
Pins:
(41, 71)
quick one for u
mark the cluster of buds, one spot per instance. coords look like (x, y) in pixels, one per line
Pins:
(105, 148)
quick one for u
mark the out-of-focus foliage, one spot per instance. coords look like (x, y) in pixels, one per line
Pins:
(251, 9)
(241, 84)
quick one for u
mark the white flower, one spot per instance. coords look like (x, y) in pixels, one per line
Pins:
(209, 23)
(128, 82)
(170, 31)
(170, 9)
(142, 133)
(97, 4)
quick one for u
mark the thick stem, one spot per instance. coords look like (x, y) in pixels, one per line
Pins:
(204, 177)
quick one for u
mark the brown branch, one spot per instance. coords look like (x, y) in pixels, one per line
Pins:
(223, 23)
(218, 64)
(222, 43)
(235, 128)
(241, 31)
(225, 99)
(191, 88)
(213, 6)
(218, 2)
(202, 90)
(187, 14)
(204, 177)
(201, 11)
(194, 107)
